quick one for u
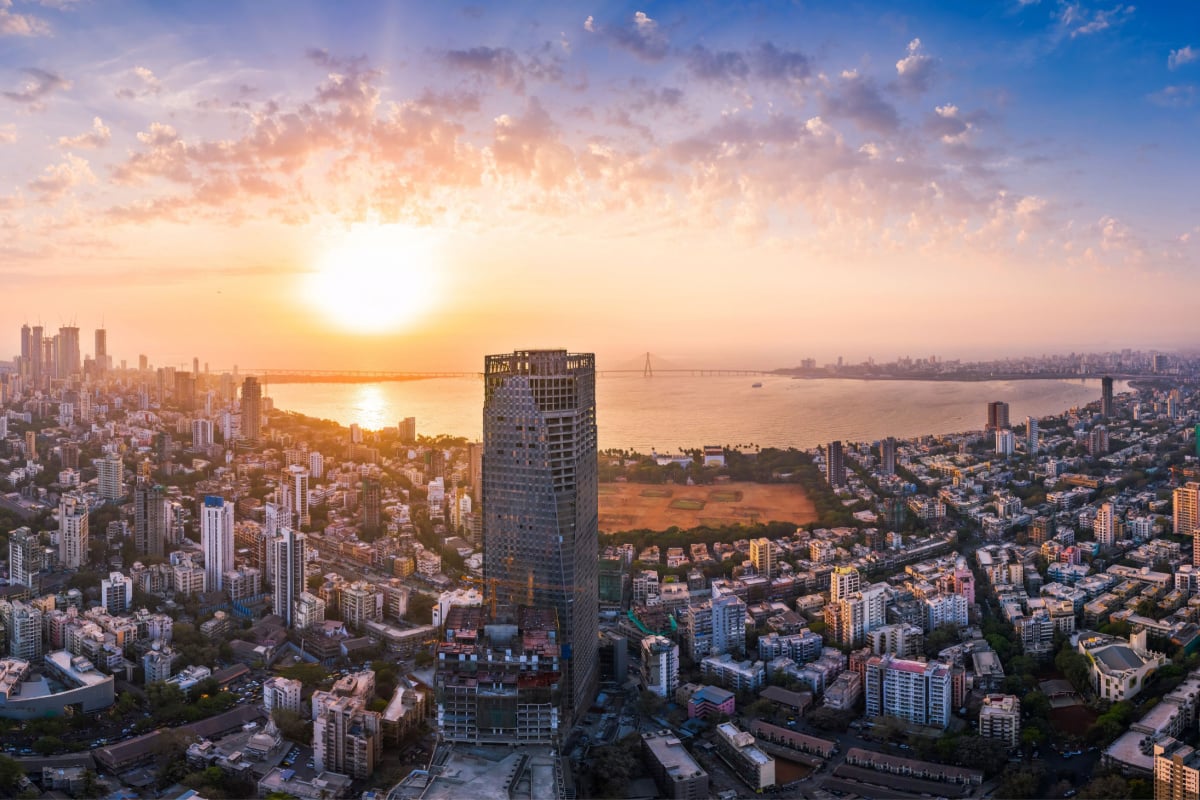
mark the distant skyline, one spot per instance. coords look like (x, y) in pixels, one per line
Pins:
(378, 185)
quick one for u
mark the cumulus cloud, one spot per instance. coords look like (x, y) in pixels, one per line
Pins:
(98, 136)
(57, 179)
(1184, 55)
(951, 125)
(858, 99)
(14, 24)
(1175, 96)
(1078, 21)
(145, 83)
(39, 86)
(914, 72)
(639, 35)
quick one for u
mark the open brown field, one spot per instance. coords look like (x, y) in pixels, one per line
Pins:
(629, 506)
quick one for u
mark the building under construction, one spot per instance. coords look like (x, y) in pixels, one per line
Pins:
(499, 682)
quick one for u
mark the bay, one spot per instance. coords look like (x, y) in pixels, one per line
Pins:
(665, 413)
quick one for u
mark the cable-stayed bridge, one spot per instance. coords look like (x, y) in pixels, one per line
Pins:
(647, 366)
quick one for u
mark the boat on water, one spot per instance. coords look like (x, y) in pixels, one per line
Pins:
(756, 386)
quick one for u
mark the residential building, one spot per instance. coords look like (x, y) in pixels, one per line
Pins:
(676, 773)
(216, 540)
(763, 557)
(347, 738)
(740, 751)
(740, 676)
(710, 701)
(110, 471)
(714, 627)
(660, 665)
(251, 409)
(1000, 718)
(1104, 526)
(916, 691)
(1185, 503)
(282, 693)
(997, 415)
(1176, 770)
(288, 578)
(116, 594)
(24, 559)
(72, 532)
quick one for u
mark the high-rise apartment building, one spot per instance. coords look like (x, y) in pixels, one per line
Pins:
(763, 557)
(997, 415)
(850, 619)
(151, 519)
(887, 456)
(713, 627)
(408, 430)
(72, 532)
(660, 665)
(110, 471)
(1176, 770)
(916, 691)
(296, 495)
(288, 564)
(24, 623)
(835, 464)
(282, 693)
(372, 505)
(475, 470)
(23, 560)
(540, 530)
(1106, 397)
(116, 593)
(216, 540)
(1185, 503)
(1104, 526)
(251, 409)
(1005, 442)
(842, 582)
(1032, 437)
(347, 738)
(202, 433)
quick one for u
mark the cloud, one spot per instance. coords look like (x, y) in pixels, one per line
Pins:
(503, 66)
(13, 24)
(146, 84)
(856, 98)
(8, 133)
(40, 85)
(98, 136)
(56, 180)
(639, 35)
(708, 65)
(767, 62)
(914, 72)
(1077, 21)
(1176, 96)
(1184, 55)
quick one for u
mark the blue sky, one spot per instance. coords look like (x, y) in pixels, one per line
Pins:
(968, 165)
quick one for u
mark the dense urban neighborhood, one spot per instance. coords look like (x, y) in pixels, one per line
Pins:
(209, 597)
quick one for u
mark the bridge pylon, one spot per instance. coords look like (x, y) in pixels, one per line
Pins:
(647, 370)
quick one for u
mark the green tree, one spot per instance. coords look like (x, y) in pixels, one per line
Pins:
(11, 773)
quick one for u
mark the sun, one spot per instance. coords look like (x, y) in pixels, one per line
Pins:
(375, 278)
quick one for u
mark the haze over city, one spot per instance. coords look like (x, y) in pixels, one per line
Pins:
(277, 184)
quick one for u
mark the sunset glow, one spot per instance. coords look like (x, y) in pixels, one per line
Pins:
(375, 279)
(930, 173)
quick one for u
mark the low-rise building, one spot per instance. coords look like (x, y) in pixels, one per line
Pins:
(1119, 668)
(710, 700)
(740, 751)
(677, 774)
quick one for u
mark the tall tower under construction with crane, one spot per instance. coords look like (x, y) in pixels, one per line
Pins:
(540, 499)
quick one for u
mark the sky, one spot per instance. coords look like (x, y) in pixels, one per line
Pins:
(413, 185)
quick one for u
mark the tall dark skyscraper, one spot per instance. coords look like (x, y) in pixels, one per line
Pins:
(251, 409)
(540, 534)
(887, 456)
(1106, 397)
(69, 361)
(101, 353)
(372, 505)
(835, 464)
(997, 415)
